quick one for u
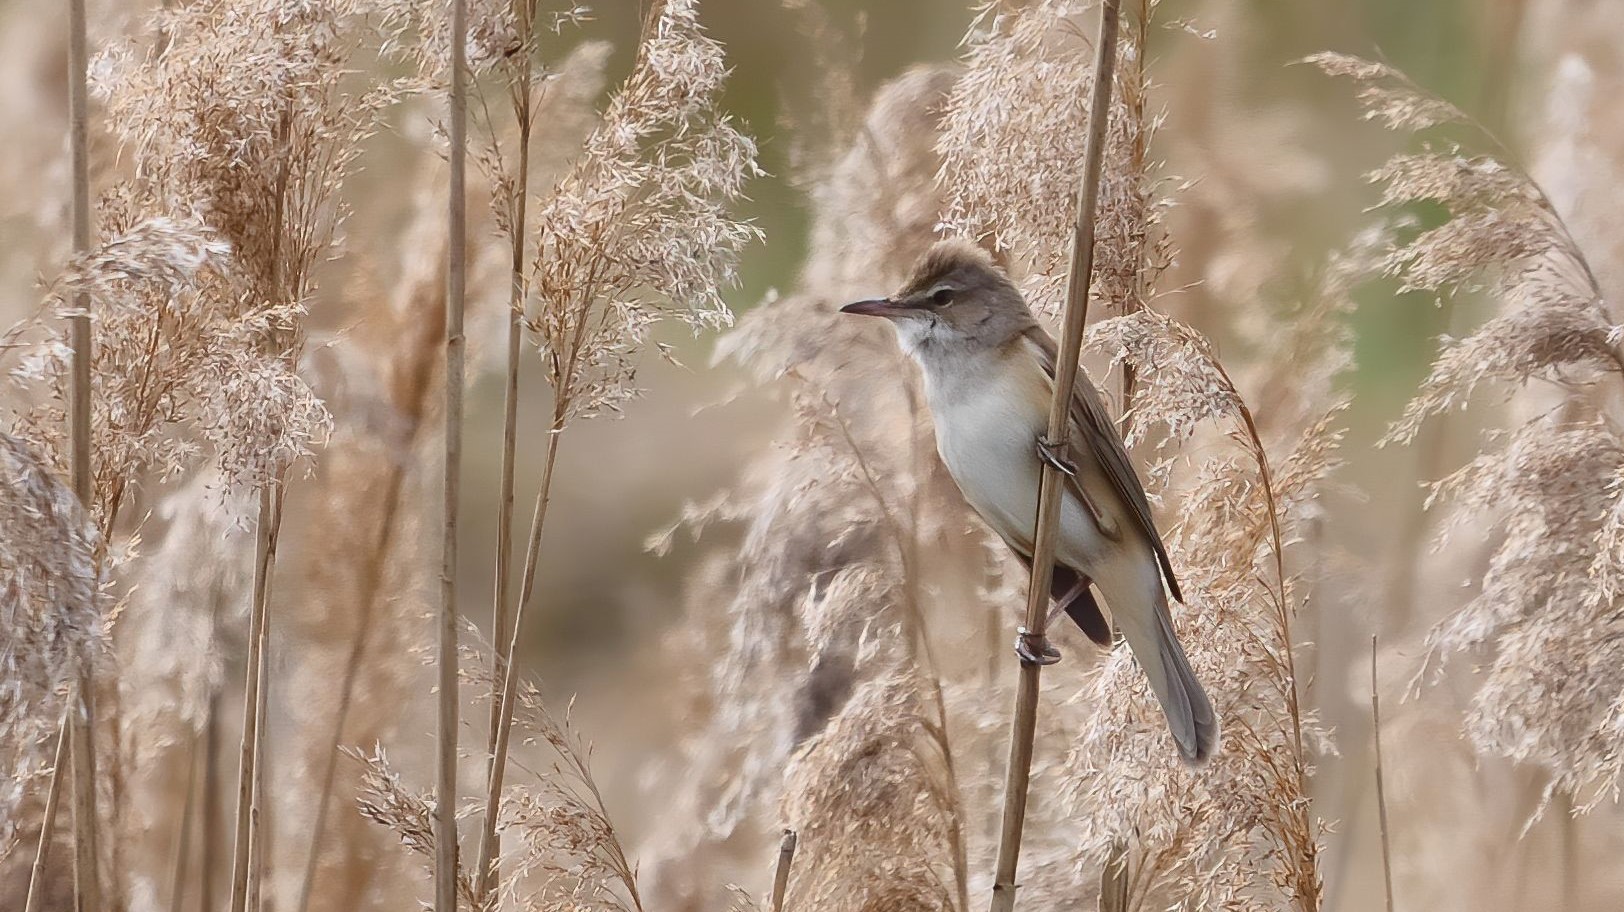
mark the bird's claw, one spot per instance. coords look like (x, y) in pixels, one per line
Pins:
(1052, 454)
(1034, 648)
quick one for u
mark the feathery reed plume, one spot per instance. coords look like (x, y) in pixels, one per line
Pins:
(870, 797)
(53, 603)
(1202, 840)
(241, 138)
(1546, 606)
(1019, 111)
(384, 799)
(52, 624)
(848, 489)
(563, 850)
(566, 851)
(637, 232)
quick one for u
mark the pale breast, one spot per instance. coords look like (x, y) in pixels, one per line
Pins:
(987, 428)
(986, 433)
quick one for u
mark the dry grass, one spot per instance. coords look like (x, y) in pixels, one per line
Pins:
(1546, 603)
(249, 341)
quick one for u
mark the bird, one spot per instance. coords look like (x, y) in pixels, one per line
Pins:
(988, 370)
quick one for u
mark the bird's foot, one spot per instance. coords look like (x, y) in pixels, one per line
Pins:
(1054, 454)
(1034, 648)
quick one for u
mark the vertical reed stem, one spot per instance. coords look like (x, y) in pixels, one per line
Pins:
(47, 826)
(244, 873)
(786, 858)
(210, 810)
(87, 879)
(1024, 727)
(257, 835)
(445, 792)
(502, 612)
(484, 866)
(1381, 788)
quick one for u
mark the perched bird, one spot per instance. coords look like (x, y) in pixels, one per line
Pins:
(988, 369)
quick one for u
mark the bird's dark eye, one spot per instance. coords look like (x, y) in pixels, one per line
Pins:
(942, 297)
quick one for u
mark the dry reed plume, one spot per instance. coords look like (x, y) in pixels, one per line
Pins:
(1545, 609)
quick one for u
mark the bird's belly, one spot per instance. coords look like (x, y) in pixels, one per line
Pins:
(991, 451)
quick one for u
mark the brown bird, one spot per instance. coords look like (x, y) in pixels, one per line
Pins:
(989, 368)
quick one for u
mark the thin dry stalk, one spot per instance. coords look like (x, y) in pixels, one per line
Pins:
(445, 793)
(485, 862)
(1075, 315)
(47, 826)
(211, 801)
(1381, 787)
(786, 859)
(183, 839)
(524, 13)
(87, 879)
(243, 867)
(257, 838)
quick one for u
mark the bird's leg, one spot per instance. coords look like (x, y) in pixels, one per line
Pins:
(1053, 453)
(1065, 598)
(1034, 648)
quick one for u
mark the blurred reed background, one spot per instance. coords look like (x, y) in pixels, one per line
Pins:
(759, 598)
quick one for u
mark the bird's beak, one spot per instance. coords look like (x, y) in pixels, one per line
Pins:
(879, 307)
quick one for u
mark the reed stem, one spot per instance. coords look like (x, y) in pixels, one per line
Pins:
(786, 858)
(1075, 316)
(87, 879)
(244, 870)
(485, 867)
(1381, 788)
(47, 826)
(445, 793)
(501, 611)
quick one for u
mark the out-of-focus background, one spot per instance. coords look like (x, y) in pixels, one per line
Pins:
(1243, 120)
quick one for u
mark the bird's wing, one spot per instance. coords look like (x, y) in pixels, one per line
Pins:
(1095, 432)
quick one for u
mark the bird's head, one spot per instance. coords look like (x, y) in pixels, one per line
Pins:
(956, 301)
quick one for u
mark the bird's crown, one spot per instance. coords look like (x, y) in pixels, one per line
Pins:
(945, 259)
